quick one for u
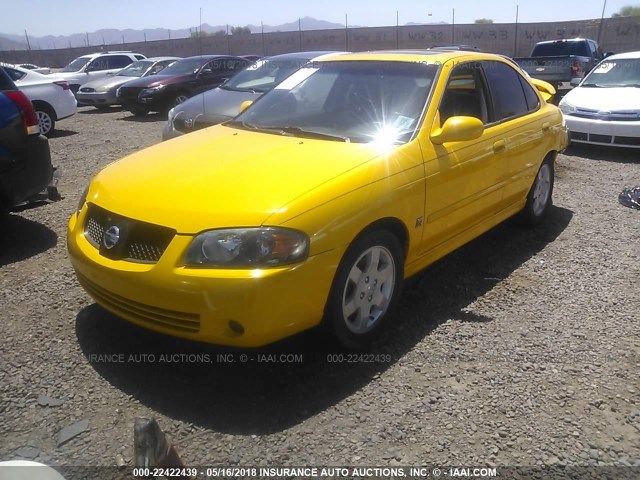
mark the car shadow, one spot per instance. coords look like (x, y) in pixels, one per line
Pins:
(58, 133)
(91, 110)
(149, 117)
(22, 238)
(212, 387)
(607, 154)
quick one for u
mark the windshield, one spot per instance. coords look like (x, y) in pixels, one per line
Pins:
(136, 69)
(615, 73)
(561, 48)
(77, 64)
(184, 66)
(263, 75)
(353, 101)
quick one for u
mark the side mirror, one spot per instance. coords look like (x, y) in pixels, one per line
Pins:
(575, 82)
(244, 105)
(207, 72)
(545, 88)
(458, 129)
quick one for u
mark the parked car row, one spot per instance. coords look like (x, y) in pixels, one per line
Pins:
(25, 160)
(51, 98)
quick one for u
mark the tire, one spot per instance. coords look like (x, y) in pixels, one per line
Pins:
(365, 290)
(540, 197)
(46, 118)
(180, 98)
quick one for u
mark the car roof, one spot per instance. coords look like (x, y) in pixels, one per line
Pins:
(560, 40)
(619, 56)
(209, 57)
(21, 69)
(160, 59)
(309, 55)
(426, 56)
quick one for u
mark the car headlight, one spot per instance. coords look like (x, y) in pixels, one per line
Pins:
(566, 108)
(247, 247)
(83, 198)
(171, 114)
(102, 89)
(118, 93)
(152, 90)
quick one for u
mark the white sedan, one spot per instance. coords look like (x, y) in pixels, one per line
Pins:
(52, 99)
(605, 108)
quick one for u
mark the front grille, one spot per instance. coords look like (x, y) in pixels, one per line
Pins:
(138, 241)
(607, 139)
(129, 93)
(615, 115)
(87, 89)
(600, 138)
(635, 141)
(146, 314)
(182, 126)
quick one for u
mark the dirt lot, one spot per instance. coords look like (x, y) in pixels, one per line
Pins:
(520, 349)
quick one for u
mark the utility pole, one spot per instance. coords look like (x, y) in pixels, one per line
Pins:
(264, 52)
(300, 34)
(200, 34)
(346, 32)
(453, 27)
(27, 37)
(87, 34)
(397, 30)
(601, 23)
(515, 40)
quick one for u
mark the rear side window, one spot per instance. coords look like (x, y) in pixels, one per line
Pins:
(118, 61)
(533, 102)
(506, 89)
(14, 74)
(5, 81)
(140, 57)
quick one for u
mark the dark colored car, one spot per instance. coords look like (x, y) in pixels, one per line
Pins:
(178, 82)
(25, 160)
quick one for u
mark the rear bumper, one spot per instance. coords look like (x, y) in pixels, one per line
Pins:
(27, 174)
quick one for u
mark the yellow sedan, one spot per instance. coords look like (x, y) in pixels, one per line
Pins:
(317, 201)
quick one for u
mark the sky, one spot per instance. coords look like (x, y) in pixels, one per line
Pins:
(49, 17)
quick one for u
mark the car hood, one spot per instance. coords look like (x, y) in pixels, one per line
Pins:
(214, 105)
(159, 79)
(108, 82)
(605, 99)
(222, 177)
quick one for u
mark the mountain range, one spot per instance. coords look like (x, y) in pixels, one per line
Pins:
(113, 36)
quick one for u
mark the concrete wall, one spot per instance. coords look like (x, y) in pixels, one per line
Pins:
(617, 35)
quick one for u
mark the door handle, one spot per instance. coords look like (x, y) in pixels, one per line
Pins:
(546, 126)
(499, 146)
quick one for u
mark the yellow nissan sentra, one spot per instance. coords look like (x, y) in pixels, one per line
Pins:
(316, 202)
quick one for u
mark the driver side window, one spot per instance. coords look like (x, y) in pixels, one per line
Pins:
(465, 94)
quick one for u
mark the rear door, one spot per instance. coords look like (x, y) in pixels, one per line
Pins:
(514, 103)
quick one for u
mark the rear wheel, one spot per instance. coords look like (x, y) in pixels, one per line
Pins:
(540, 196)
(46, 118)
(366, 288)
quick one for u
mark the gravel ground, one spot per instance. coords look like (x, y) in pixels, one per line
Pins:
(522, 348)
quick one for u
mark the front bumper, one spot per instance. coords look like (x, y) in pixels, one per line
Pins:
(97, 98)
(199, 303)
(28, 174)
(600, 132)
(169, 132)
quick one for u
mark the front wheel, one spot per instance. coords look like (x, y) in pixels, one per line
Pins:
(540, 196)
(139, 112)
(365, 290)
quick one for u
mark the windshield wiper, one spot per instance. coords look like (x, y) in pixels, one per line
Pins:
(244, 125)
(299, 132)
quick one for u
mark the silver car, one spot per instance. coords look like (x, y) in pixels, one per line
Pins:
(102, 93)
(223, 103)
